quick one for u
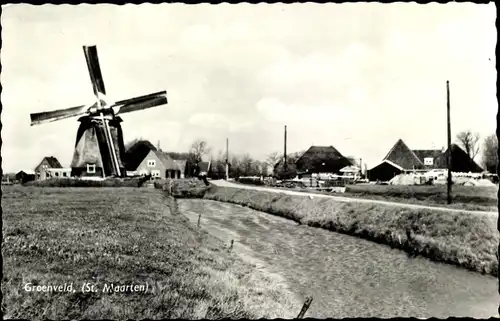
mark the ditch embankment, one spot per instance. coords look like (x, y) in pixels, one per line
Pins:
(459, 238)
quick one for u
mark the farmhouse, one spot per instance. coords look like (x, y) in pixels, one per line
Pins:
(136, 152)
(315, 160)
(159, 165)
(321, 160)
(401, 159)
(42, 170)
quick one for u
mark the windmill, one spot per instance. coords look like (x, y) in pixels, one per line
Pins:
(99, 148)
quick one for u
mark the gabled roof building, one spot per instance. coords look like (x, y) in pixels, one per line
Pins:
(402, 159)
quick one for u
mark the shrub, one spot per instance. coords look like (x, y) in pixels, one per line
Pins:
(75, 182)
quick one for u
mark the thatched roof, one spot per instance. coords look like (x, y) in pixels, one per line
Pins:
(136, 153)
(322, 159)
(403, 156)
(427, 153)
(409, 159)
(460, 161)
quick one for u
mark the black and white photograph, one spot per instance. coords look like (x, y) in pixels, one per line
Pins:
(229, 161)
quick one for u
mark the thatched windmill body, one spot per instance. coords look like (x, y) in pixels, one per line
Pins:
(99, 148)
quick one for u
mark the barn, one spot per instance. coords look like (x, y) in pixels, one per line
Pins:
(402, 159)
(384, 171)
(24, 176)
(321, 159)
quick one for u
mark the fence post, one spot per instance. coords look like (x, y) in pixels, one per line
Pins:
(305, 307)
(231, 246)
(199, 218)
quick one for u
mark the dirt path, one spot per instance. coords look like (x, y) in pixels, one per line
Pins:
(347, 276)
(223, 183)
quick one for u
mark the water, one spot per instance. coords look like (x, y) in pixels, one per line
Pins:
(347, 276)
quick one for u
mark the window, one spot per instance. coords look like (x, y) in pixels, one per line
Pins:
(151, 163)
(155, 173)
(57, 174)
(428, 161)
(90, 168)
(64, 174)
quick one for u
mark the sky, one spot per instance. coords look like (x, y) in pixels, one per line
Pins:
(357, 76)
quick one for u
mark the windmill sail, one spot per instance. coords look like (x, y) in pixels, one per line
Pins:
(94, 69)
(143, 102)
(50, 116)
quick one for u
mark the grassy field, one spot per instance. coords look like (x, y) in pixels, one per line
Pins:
(472, 197)
(462, 239)
(124, 236)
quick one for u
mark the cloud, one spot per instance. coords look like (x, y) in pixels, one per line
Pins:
(219, 122)
(243, 71)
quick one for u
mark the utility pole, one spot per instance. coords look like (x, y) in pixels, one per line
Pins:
(285, 164)
(227, 159)
(449, 138)
(360, 167)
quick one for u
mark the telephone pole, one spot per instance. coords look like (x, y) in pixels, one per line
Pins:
(227, 159)
(285, 164)
(449, 138)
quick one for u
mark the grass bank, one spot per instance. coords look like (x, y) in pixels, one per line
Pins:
(124, 236)
(73, 182)
(472, 197)
(466, 240)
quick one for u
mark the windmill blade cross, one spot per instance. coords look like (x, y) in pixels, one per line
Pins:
(142, 102)
(94, 69)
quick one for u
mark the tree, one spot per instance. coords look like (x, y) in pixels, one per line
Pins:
(273, 158)
(469, 142)
(235, 167)
(490, 153)
(199, 148)
(219, 166)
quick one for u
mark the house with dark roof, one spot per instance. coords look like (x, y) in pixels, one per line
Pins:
(159, 165)
(402, 159)
(136, 152)
(321, 159)
(315, 160)
(143, 158)
(41, 170)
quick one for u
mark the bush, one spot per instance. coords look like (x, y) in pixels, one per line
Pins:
(75, 182)
(183, 188)
(250, 180)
